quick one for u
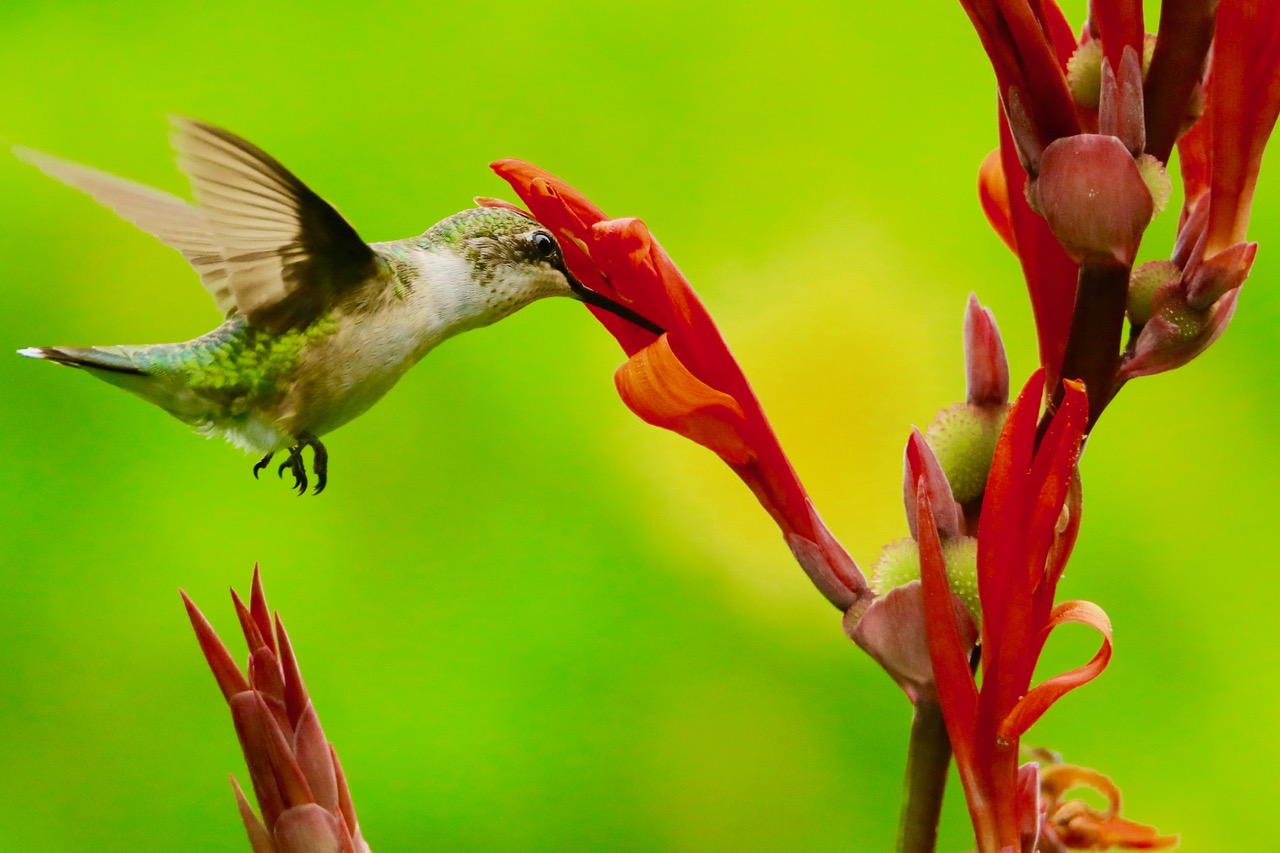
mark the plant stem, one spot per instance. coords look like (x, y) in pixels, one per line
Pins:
(928, 757)
(1093, 347)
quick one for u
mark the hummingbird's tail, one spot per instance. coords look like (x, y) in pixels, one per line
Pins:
(111, 359)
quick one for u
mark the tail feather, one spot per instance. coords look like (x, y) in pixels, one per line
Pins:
(112, 359)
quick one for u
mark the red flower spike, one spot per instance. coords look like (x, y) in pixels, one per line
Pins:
(685, 380)
(301, 790)
(985, 362)
(1029, 523)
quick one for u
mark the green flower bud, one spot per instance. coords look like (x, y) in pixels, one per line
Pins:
(899, 564)
(1143, 284)
(1157, 181)
(963, 437)
(1084, 74)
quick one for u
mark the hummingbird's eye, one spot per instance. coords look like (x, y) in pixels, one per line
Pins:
(544, 244)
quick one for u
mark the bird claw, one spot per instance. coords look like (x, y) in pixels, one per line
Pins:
(262, 463)
(297, 467)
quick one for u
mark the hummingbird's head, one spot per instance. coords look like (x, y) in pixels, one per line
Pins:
(515, 260)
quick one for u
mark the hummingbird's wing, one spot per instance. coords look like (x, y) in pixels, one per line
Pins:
(173, 221)
(290, 256)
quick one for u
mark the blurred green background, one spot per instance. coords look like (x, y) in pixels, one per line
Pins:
(528, 620)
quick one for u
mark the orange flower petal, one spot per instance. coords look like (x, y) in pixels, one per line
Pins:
(993, 193)
(1042, 696)
(661, 391)
(1076, 825)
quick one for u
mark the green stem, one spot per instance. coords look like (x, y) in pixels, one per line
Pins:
(928, 757)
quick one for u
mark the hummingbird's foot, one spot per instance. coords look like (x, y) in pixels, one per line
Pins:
(262, 463)
(320, 464)
(297, 467)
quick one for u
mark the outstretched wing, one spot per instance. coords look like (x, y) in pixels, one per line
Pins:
(173, 221)
(289, 255)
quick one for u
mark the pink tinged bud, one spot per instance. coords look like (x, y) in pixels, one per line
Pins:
(311, 829)
(986, 366)
(1177, 333)
(922, 471)
(1209, 280)
(1120, 110)
(1094, 199)
(225, 671)
(259, 838)
(278, 782)
(892, 630)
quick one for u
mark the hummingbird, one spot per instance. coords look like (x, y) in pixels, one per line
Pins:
(317, 324)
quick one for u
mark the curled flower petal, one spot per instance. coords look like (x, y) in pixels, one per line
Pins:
(661, 391)
(1074, 824)
(1038, 700)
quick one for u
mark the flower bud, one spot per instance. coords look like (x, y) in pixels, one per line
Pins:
(899, 565)
(1093, 198)
(963, 437)
(1143, 284)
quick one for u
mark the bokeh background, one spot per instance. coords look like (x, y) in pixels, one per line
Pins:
(530, 621)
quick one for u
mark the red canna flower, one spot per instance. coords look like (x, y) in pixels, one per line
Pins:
(299, 784)
(1085, 130)
(1030, 517)
(685, 380)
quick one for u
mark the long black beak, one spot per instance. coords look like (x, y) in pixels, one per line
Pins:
(592, 298)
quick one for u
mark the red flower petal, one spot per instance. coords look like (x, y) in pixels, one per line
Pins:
(1050, 275)
(1038, 700)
